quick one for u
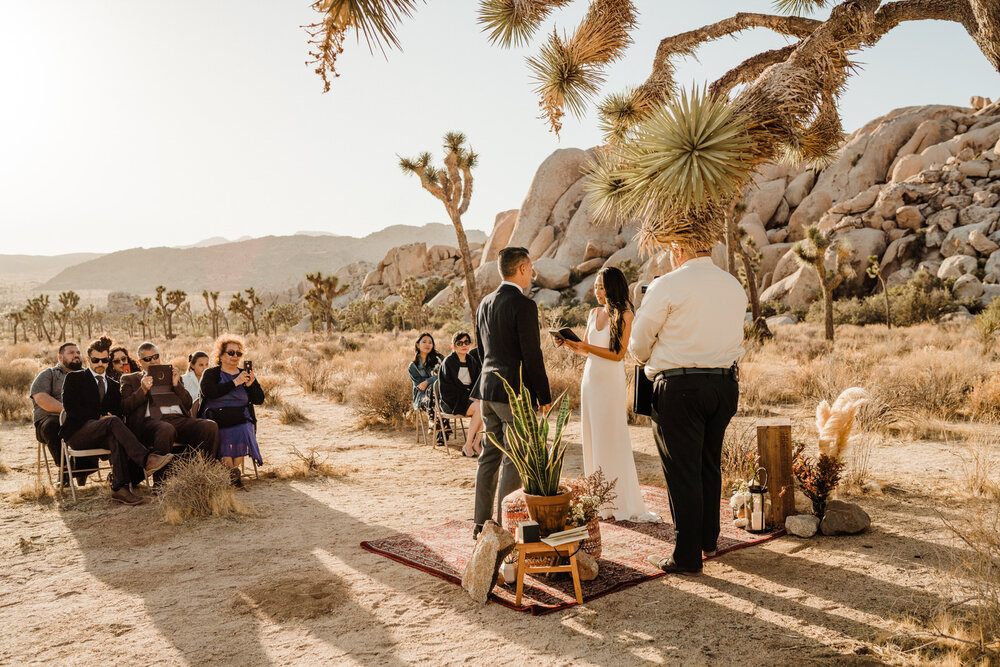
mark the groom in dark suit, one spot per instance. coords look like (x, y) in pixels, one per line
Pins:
(509, 344)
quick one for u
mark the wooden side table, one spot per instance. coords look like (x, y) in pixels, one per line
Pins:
(540, 549)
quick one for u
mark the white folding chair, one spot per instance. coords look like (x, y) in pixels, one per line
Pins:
(43, 453)
(449, 436)
(420, 417)
(66, 455)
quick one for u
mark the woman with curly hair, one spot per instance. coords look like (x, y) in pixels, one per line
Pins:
(228, 396)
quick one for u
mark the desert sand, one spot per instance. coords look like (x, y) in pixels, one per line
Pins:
(96, 582)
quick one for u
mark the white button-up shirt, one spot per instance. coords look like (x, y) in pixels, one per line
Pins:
(690, 318)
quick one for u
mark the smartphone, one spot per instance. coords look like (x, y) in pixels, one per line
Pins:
(248, 366)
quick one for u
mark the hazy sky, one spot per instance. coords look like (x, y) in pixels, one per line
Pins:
(137, 123)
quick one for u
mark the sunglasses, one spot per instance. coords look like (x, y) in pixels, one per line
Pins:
(234, 353)
(119, 360)
(99, 360)
(152, 357)
(464, 342)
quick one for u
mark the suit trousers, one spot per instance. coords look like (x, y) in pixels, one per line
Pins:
(47, 431)
(128, 455)
(198, 434)
(690, 416)
(496, 417)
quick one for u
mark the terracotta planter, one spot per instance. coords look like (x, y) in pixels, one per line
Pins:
(549, 511)
(592, 545)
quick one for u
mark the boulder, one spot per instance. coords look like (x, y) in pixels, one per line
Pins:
(597, 248)
(503, 225)
(992, 267)
(967, 287)
(937, 154)
(895, 254)
(864, 243)
(585, 287)
(985, 198)
(587, 566)
(974, 168)
(809, 211)
(802, 525)
(488, 277)
(546, 235)
(551, 274)
(402, 262)
(555, 175)
(860, 202)
(582, 231)
(588, 267)
(796, 291)
(799, 188)
(956, 266)
(777, 235)
(754, 228)
(908, 166)
(441, 253)
(548, 298)
(480, 576)
(442, 297)
(776, 321)
(957, 240)
(769, 256)
(945, 219)
(787, 265)
(628, 253)
(765, 199)
(842, 518)
(958, 318)
(899, 278)
(990, 292)
(909, 217)
(981, 243)
(568, 205)
(781, 215)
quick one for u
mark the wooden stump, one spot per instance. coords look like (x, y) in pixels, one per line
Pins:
(774, 445)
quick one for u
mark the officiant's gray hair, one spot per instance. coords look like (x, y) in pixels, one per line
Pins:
(145, 347)
(510, 260)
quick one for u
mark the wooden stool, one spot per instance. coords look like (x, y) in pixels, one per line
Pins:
(541, 549)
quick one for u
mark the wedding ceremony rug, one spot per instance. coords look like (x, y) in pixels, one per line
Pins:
(444, 551)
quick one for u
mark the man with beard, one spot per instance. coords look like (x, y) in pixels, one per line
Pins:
(46, 394)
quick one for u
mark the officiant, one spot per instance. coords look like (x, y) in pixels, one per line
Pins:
(688, 333)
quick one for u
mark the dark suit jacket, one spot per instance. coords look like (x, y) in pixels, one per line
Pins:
(509, 344)
(135, 401)
(453, 392)
(82, 403)
(212, 387)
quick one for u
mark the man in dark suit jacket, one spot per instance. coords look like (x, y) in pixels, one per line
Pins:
(159, 426)
(508, 344)
(93, 405)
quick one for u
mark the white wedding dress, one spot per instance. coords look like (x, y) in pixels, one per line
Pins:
(606, 442)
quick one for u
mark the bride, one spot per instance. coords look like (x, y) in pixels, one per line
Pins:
(606, 443)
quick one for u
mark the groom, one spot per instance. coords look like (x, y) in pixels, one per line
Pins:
(509, 345)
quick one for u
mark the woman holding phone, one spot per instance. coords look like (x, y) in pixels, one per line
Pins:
(228, 396)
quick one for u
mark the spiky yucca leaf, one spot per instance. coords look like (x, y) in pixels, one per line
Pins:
(376, 20)
(453, 141)
(619, 112)
(798, 7)
(563, 79)
(513, 22)
(695, 229)
(606, 187)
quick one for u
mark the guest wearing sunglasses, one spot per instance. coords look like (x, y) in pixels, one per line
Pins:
(459, 371)
(161, 420)
(121, 363)
(228, 395)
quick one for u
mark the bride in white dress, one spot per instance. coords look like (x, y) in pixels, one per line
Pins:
(606, 442)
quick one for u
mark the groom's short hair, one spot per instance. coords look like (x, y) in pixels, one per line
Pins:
(510, 260)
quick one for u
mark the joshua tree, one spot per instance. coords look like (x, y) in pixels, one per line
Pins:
(246, 307)
(413, 293)
(68, 302)
(319, 299)
(89, 314)
(130, 321)
(452, 184)
(214, 310)
(169, 303)
(16, 318)
(143, 305)
(812, 252)
(874, 270)
(37, 310)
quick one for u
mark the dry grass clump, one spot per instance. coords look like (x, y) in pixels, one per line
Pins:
(272, 386)
(382, 398)
(309, 464)
(312, 376)
(291, 414)
(198, 487)
(857, 472)
(984, 400)
(739, 453)
(980, 467)
(17, 375)
(14, 406)
(32, 492)
(3, 468)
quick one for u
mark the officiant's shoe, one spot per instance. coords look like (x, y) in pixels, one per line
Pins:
(669, 566)
(475, 532)
(711, 554)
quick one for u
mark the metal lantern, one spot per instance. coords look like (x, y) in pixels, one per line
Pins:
(757, 512)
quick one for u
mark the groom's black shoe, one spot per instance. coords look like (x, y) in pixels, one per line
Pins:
(475, 532)
(669, 566)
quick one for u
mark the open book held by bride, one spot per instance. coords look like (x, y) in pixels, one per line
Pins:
(565, 334)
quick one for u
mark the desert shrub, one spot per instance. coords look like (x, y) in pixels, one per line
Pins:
(384, 397)
(16, 378)
(32, 492)
(312, 376)
(271, 385)
(14, 406)
(291, 414)
(984, 401)
(771, 308)
(739, 453)
(198, 487)
(988, 323)
(925, 298)
(869, 310)
(308, 464)
(859, 461)
(980, 467)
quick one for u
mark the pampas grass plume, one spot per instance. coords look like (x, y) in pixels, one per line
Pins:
(834, 422)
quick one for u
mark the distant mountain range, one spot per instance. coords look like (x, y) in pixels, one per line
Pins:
(267, 263)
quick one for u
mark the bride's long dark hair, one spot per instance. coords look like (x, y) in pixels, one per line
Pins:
(618, 303)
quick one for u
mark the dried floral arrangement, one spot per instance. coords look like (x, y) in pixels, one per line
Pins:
(590, 494)
(818, 478)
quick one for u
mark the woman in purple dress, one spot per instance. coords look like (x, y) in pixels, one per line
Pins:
(228, 396)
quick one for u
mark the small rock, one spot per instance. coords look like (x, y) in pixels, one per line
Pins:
(587, 565)
(843, 518)
(802, 525)
(974, 168)
(967, 287)
(981, 243)
(776, 321)
(960, 316)
(985, 198)
(777, 235)
(480, 576)
(945, 219)
(591, 265)
(957, 266)
(596, 248)
(909, 217)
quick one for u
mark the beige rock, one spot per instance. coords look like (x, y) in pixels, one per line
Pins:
(933, 236)
(541, 243)
(583, 230)
(628, 253)
(585, 287)
(781, 215)
(777, 235)
(487, 277)
(860, 202)
(945, 219)
(403, 261)
(926, 134)
(976, 213)
(829, 220)
(894, 255)
(985, 198)
(797, 290)
(441, 253)
(908, 166)
(967, 287)
(899, 278)
(765, 199)
(555, 175)
(975, 168)
(785, 266)
(965, 155)
(551, 274)
(992, 267)
(981, 243)
(597, 248)
(909, 217)
(936, 155)
(503, 225)
(977, 140)
(480, 576)
(809, 211)
(864, 243)
(548, 298)
(990, 292)
(442, 297)
(568, 205)
(956, 266)
(896, 234)
(586, 566)
(588, 267)
(754, 228)
(769, 256)
(799, 188)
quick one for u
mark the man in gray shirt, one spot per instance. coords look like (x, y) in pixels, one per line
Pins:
(46, 396)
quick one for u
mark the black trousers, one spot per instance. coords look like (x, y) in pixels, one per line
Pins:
(128, 455)
(690, 416)
(160, 434)
(47, 431)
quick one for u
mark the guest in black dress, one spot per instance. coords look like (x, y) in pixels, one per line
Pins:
(459, 372)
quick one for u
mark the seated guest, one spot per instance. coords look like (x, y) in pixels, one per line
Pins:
(423, 373)
(160, 420)
(93, 403)
(197, 363)
(46, 396)
(121, 363)
(458, 371)
(228, 396)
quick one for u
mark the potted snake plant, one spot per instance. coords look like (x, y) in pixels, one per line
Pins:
(538, 461)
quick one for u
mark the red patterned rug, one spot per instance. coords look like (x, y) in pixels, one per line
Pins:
(444, 551)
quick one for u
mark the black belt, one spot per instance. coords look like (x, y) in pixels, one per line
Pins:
(673, 372)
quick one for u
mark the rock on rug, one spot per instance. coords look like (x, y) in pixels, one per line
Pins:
(445, 550)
